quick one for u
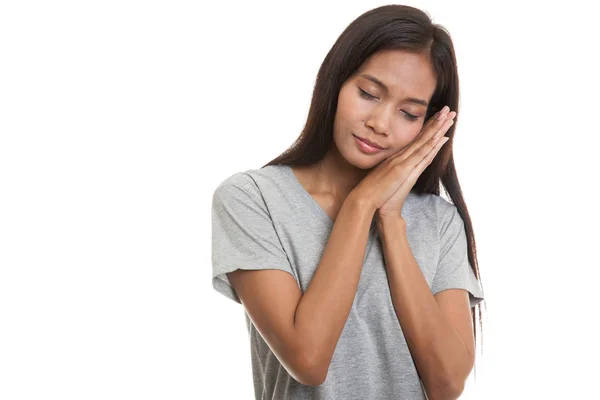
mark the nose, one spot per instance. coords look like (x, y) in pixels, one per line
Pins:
(379, 119)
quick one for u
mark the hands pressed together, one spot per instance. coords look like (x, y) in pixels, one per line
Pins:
(388, 184)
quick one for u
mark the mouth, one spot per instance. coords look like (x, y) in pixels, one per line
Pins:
(365, 147)
(372, 144)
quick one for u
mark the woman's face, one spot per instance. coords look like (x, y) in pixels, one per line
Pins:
(383, 112)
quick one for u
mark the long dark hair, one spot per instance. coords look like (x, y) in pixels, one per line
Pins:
(387, 28)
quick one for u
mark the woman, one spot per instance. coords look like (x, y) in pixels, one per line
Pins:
(358, 279)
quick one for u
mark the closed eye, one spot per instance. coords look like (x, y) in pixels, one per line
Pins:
(369, 96)
(365, 94)
(410, 116)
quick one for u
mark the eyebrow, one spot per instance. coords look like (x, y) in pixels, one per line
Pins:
(379, 83)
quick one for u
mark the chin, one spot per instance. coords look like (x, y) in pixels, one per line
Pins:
(360, 160)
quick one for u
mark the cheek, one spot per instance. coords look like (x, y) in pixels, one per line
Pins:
(347, 117)
(352, 106)
(415, 131)
(360, 108)
(406, 133)
(410, 130)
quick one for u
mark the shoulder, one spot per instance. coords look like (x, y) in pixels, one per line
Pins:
(250, 182)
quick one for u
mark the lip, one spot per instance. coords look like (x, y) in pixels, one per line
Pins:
(365, 147)
(372, 144)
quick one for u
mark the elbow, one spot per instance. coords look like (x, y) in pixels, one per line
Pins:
(449, 386)
(311, 371)
(314, 381)
(455, 390)
(446, 391)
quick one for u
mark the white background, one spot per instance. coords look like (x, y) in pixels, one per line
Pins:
(118, 119)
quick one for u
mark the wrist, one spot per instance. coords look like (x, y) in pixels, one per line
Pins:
(391, 225)
(389, 215)
(361, 203)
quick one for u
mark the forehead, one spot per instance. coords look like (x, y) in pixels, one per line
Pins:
(404, 73)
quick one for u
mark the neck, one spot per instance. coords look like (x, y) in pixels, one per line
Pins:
(334, 175)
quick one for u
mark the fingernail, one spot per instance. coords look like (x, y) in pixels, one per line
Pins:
(441, 140)
(442, 113)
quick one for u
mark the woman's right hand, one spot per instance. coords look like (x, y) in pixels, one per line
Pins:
(385, 179)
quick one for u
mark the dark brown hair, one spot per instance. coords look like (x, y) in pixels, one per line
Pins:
(388, 27)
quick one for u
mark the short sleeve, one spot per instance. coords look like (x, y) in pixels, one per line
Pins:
(454, 269)
(243, 234)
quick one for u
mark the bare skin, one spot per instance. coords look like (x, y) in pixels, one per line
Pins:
(382, 119)
(329, 198)
(302, 329)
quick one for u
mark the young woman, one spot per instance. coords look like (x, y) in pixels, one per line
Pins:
(359, 281)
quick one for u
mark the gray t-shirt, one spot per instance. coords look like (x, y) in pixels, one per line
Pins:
(265, 219)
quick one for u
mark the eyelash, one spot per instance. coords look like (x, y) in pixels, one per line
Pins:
(368, 96)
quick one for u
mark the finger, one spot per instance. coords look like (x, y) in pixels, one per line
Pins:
(436, 127)
(441, 131)
(437, 120)
(428, 146)
(427, 160)
(416, 165)
(429, 132)
(435, 150)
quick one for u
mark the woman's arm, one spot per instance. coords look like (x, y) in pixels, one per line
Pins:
(325, 306)
(443, 357)
(303, 330)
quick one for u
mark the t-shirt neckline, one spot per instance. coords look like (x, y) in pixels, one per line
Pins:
(309, 199)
